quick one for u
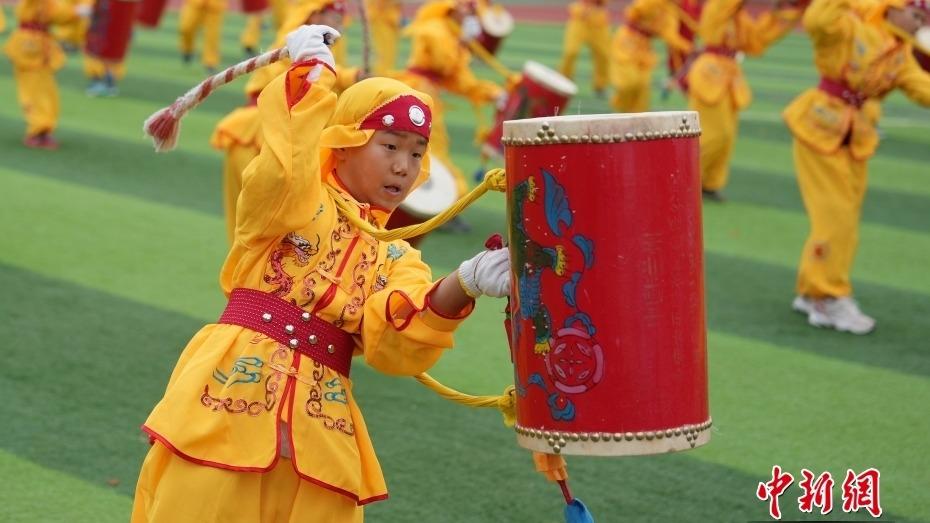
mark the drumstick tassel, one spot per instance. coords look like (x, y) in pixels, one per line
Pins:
(164, 126)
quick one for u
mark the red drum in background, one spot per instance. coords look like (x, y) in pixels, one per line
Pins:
(254, 6)
(541, 92)
(110, 29)
(922, 47)
(496, 24)
(608, 325)
(150, 12)
(435, 195)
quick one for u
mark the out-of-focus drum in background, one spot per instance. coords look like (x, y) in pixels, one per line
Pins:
(607, 309)
(496, 24)
(541, 91)
(111, 29)
(435, 195)
(150, 12)
(922, 48)
(254, 6)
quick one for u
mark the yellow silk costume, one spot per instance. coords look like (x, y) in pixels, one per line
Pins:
(718, 90)
(238, 135)
(588, 24)
(251, 36)
(384, 24)
(36, 56)
(73, 32)
(292, 241)
(438, 60)
(633, 59)
(834, 139)
(206, 15)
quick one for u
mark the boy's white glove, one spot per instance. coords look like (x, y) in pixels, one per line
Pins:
(83, 10)
(488, 273)
(312, 41)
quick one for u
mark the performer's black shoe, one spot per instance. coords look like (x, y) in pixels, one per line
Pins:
(249, 51)
(209, 69)
(187, 57)
(713, 196)
(600, 93)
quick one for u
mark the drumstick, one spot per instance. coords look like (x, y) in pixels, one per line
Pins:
(366, 38)
(164, 125)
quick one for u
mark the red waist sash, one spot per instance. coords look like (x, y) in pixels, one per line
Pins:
(290, 326)
(425, 73)
(840, 89)
(34, 26)
(721, 50)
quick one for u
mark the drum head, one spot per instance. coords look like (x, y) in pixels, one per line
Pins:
(550, 78)
(496, 21)
(436, 194)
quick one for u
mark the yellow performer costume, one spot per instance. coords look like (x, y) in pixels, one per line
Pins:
(251, 36)
(71, 34)
(36, 56)
(860, 61)
(384, 18)
(588, 24)
(247, 418)
(206, 15)
(438, 60)
(718, 90)
(632, 55)
(239, 135)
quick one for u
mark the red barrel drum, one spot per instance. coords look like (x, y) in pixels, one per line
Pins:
(150, 12)
(254, 6)
(111, 29)
(607, 319)
(496, 24)
(541, 91)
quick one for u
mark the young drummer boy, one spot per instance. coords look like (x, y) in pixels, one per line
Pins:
(717, 89)
(258, 422)
(36, 56)
(862, 53)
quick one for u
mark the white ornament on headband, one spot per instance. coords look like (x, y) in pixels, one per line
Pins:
(387, 120)
(417, 116)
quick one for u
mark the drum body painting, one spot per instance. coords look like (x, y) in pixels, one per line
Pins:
(110, 29)
(496, 24)
(541, 92)
(150, 12)
(435, 195)
(607, 311)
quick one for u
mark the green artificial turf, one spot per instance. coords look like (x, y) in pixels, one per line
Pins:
(109, 256)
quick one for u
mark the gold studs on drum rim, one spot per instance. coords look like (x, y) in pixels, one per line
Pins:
(546, 135)
(559, 440)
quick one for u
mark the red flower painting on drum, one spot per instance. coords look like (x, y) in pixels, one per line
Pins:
(575, 361)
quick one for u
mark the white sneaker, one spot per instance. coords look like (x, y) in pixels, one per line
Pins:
(802, 304)
(842, 314)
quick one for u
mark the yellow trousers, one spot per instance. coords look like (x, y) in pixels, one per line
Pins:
(173, 490)
(719, 123)
(237, 158)
(97, 68)
(251, 35)
(37, 92)
(384, 37)
(597, 38)
(631, 88)
(832, 188)
(211, 20)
